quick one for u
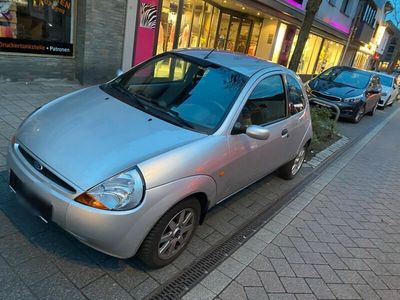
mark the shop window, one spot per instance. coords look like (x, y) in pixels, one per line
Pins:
(232, 33)
(197, 22)
(166, 30)
(266, 103)
(310, 54)
(186, 23)
(37, 27)
(206, 27)
(329, 56)
(213, 28)
(223, 31)
(255, 36)
(295, 96)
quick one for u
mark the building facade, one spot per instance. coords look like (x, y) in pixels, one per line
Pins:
(89, 40)
(74, 39)
(389, 59)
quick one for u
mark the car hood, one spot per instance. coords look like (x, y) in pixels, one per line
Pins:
(334, 89)
(89, 136)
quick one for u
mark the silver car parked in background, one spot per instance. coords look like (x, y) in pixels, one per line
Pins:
(132, 166)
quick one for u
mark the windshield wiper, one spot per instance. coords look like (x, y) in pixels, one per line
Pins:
(131, 96)
(171, 113)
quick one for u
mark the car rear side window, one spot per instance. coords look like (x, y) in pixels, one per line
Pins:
(266, 104)
(296, 99)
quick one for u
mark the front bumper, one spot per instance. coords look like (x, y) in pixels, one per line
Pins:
(115, 233)
(347, 109)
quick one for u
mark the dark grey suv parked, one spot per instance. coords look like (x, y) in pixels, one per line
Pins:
(356, 92)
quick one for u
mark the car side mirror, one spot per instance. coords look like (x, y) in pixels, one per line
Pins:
(119, 72)
(257, 132)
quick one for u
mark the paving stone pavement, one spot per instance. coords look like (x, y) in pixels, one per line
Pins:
(339, 239)
(42, 261)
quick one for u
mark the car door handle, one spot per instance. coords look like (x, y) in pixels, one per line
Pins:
(285, 133)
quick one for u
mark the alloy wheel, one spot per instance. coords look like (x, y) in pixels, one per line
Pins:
(298, 161)
(177, 233)
(360, 114)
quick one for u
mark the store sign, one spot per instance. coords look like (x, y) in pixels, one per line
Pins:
(145, 31)
(296, 3)
(35, 47)
(36, 26)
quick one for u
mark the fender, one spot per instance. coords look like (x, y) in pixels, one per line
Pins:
(160, 199)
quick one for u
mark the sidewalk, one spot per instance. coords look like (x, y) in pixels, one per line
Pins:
(339, 239)
(18, 99)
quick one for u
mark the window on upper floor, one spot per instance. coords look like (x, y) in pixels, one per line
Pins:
(346, 7)
(369, 15)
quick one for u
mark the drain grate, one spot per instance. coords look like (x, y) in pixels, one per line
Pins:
(189, 277)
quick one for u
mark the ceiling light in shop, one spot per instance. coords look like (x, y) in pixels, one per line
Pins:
(243, 8)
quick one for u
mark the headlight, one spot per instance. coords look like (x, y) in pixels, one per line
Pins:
(354, 99)
(121, 192)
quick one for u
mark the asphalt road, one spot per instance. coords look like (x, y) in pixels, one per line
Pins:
(353, 131)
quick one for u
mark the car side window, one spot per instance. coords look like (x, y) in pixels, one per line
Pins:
(266, 104)
(296, 101)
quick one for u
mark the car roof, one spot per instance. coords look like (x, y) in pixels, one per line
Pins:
(382, 74)
(353, 69)
(244, 64)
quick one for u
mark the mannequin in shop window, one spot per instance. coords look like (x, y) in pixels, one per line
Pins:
(8, 19)
(184, 37)
(221, 39)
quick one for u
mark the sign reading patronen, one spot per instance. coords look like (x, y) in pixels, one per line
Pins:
(37, 26)
(36, 47)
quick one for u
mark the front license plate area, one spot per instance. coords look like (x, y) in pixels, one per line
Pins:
(40, 207)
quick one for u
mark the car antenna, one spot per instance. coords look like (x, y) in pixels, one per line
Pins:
(209, 53)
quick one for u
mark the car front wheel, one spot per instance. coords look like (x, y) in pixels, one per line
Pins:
(290, 170)
(359, 114)
(172, 233)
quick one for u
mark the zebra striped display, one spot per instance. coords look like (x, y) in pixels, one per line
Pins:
(148, 16)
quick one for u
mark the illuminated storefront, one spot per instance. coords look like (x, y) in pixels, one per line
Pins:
(37, 27)
(361, 60)
(197, 23)
(318, 55)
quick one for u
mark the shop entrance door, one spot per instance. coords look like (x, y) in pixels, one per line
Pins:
(244, 35)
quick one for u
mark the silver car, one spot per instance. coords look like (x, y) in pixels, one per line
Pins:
(132, 166)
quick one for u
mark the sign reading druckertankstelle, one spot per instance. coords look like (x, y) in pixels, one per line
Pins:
(36, 47)
(37, 26)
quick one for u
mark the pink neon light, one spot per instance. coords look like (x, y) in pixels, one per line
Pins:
(337, 25)
(294, 3)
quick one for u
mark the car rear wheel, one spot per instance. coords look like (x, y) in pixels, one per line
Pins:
(290, 170)
(359, 114)
(172, 233)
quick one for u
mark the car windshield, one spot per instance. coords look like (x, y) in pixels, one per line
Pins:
(386, 80)
(353, 78)
(186, 91)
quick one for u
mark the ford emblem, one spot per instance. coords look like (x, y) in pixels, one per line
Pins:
(38, 166)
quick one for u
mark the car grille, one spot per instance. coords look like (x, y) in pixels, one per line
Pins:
(325, 97)
(45, 172)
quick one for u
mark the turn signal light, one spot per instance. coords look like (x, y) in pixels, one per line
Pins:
(90, 201)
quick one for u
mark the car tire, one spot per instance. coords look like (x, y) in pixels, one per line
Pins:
(292, 168)
(360, 113)
(372, 112)
(150, 252)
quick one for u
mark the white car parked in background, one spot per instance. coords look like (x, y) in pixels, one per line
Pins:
(390, 90)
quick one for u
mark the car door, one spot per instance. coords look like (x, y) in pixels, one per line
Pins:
(298, 120)
(250, 158)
